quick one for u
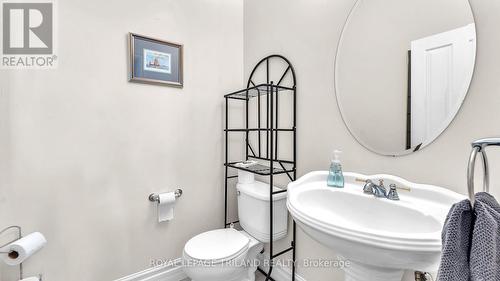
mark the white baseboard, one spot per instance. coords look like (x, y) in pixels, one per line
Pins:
(159, 273)
(175, 273)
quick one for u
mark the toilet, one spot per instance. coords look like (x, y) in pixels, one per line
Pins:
(231, 255)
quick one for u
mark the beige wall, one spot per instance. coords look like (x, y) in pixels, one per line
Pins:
(307, 32)
(82, 148)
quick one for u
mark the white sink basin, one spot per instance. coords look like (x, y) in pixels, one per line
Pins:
(381, 238)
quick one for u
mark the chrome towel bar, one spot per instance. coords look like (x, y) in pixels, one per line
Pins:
(479, 146)
(153, 197)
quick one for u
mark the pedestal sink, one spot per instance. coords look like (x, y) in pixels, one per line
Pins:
(381, 238)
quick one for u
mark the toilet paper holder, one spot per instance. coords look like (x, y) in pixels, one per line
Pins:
(154, 197)
(19, 236)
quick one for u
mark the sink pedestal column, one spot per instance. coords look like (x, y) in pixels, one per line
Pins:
(362, 272)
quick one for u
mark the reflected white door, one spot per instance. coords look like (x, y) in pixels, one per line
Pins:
(441, 70)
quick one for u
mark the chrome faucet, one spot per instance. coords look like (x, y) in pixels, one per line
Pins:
(368, 188)
(379, 190)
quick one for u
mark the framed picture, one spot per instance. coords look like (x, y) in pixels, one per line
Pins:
(155, 61)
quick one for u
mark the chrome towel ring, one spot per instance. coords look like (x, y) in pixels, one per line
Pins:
(479, 147)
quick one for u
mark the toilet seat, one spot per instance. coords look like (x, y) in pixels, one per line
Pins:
(217, 246)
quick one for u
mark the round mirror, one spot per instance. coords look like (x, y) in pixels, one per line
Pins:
(403, 69)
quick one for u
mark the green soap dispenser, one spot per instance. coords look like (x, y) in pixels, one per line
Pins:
(335, 176)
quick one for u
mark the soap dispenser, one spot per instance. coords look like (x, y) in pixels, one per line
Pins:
(335, 176)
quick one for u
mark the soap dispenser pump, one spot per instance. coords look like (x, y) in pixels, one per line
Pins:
(335, 176)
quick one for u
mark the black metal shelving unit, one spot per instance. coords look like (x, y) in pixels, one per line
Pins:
(267, 132)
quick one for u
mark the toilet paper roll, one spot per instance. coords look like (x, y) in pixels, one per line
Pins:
(18, 251)
(166, 206)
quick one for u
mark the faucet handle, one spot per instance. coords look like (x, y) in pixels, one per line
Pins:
(368, 188)
(393, 193)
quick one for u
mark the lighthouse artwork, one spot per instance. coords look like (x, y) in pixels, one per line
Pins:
(154, 61)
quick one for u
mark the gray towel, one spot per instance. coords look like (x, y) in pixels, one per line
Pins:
(485, 249)
(456, 236)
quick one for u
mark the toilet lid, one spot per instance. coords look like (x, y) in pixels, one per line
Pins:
(217, 245)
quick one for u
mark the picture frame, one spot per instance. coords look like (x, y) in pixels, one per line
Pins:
(155, 61)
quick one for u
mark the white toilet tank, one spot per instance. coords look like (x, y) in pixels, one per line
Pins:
(253, 211)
